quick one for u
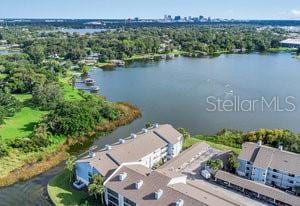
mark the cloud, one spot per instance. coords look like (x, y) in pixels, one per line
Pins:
(295, 13)
(292, 14)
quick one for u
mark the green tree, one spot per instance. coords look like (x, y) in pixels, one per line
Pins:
(70, 166)
(215, 165)
(96, 187)
(36, 52)
(185, 134)
(9, 105)
(47, 96)
(233, 163)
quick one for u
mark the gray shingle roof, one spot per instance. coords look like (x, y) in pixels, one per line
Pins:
(265, 157)
(259, 188)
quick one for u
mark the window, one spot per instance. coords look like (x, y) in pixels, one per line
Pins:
(291, 175)
(113, 197)
(274, 176)
(291, 181)
(111, 192)
(275, 170)
(128, 202)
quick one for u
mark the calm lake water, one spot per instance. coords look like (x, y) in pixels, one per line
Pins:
(176, 92)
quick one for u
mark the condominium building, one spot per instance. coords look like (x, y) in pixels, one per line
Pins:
(134, 184)
(148, 147)
(272, 166)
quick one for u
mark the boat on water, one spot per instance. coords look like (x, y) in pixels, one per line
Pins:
(95, 89)
(89, 81)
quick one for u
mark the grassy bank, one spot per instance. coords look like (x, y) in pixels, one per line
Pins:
(19, 166)
(190, 141)
(281, 49)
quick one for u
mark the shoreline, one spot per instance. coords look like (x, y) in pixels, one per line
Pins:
(53, 159)
(129, 60)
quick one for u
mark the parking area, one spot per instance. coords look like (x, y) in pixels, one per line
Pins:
(193, 168)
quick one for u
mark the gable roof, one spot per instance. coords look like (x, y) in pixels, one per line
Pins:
(153, 181)
(265, 157)
(132, 149)
(259, 188)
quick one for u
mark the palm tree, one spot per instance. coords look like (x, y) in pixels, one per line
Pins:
(70, 166)
(96, 187)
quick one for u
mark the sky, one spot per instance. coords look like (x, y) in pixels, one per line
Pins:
(112, 9)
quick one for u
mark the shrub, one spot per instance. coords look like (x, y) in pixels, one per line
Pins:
(38, 140)
(3, 148)
(109, 112)
(9, 104)
(47, 96)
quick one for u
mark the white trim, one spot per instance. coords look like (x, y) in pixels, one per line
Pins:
(123, 164)
(82, 180)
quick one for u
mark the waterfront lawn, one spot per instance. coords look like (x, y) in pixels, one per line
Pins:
(216, 145)
(280, 49)
(70, 93)
(62, 193)
(199, 138)
(21, 124)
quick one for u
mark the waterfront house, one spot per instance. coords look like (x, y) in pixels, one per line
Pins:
(291, 43)
(272, 166)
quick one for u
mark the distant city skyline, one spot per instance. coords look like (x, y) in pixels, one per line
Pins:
(118, 9)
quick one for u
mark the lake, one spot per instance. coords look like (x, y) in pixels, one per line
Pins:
(71, 31)
(176, 92)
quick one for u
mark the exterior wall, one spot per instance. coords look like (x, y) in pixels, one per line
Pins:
(153, 158)
(241, 171)
(84, 172)
(259, 175)
(83, 169)
(245, 169)
(118, 198)
(282, 180)
(175, 149)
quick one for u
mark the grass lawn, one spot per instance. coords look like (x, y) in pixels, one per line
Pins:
(62, 193)
(189, 142)
(23, 97)
(70, 93)
(21, 124)
(280, 49)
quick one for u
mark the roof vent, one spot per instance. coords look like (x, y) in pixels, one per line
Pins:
(179, 202)
(259, 143)
(144, 130)
(138, 184)
(155, 125)
(121, 141)
(280, 147)
(122, 176)
(132, 135)
(158, 194)
(108, 147)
